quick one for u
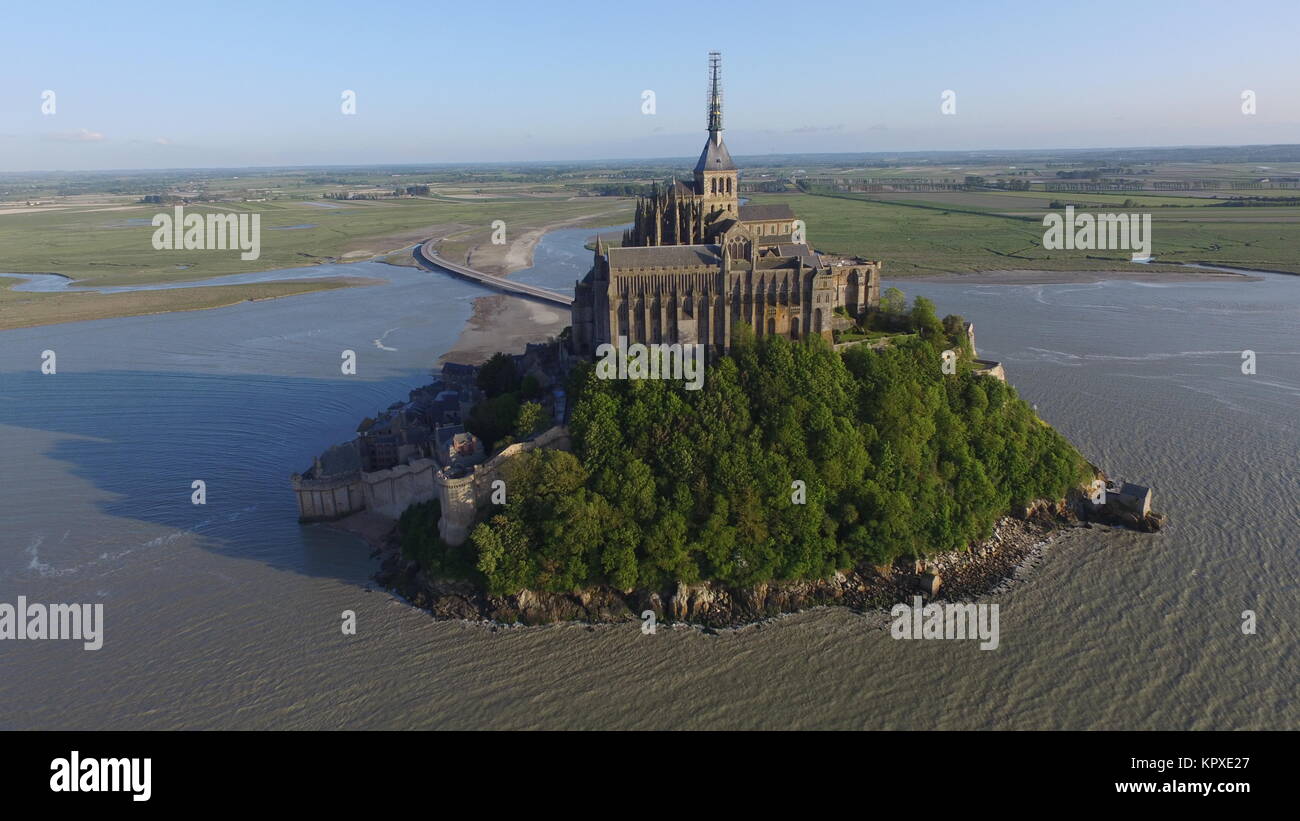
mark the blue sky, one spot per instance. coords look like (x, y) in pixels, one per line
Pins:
(166, 85)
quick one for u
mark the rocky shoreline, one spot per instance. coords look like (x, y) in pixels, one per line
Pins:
(987, 568)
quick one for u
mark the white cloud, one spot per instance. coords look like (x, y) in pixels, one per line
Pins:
(82, 135)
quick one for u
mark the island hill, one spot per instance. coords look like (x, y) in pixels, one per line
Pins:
(802, 473)
(843, 447)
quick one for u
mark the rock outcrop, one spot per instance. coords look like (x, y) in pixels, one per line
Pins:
(986, 567)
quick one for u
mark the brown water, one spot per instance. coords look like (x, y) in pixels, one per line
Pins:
(228, 615)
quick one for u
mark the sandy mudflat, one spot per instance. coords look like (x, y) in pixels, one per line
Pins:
(1066, 277)
(516, 254)
(33, 209)
(505, 323)
(508, 323)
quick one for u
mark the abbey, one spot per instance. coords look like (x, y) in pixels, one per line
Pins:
(696, 262)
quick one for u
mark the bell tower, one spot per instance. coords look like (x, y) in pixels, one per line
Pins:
(715, 173)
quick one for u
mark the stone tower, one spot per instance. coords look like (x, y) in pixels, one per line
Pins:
(715, 173)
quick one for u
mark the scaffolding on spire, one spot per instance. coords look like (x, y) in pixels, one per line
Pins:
(715, 95)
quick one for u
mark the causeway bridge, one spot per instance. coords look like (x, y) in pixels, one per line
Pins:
(428, 258)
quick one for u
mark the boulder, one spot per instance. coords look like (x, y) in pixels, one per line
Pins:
(929, 584)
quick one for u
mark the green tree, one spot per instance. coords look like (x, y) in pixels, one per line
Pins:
(925, 321)
(529, 387)
(893, 301)
(498, 375)
(529, 419)
(503, 555)
(668, 486)
(493, 419)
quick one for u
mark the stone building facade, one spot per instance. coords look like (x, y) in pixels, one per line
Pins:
(696, 262)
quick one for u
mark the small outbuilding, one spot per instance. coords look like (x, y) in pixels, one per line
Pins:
(1135, 499)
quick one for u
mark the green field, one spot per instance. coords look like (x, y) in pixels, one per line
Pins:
(924, 238)
(1012, 201)
(109, 242)
(102, 248)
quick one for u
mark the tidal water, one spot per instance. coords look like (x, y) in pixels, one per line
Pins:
(227, 615)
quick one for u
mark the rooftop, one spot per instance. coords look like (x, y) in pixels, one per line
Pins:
(760, 213)
(792, 250)
(664, 256)
(715, 157)
(1129, 489)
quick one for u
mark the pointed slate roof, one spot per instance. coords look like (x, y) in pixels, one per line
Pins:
(715, 156)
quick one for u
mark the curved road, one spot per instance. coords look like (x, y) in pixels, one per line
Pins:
(428, 258)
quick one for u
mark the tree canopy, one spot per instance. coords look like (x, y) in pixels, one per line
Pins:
(793, 461)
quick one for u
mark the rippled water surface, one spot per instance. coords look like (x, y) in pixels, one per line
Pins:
(227, 615)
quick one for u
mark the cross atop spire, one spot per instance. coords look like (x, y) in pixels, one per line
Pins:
(715, 96)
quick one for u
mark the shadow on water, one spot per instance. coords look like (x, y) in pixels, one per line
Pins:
(230, 416)
(143, 437)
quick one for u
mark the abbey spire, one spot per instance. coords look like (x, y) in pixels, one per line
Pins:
(715, 97)
(715, 173)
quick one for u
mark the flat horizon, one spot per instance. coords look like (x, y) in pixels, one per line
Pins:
(659, 159)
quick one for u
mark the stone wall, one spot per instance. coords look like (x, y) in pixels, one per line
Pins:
(461, 497)
(386, 492)
(389, 492)
(873, 344)
(987, 367)
(321, 500)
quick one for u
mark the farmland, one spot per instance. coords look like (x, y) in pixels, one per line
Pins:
(919, 214)
(961, 232)
(104, 237)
